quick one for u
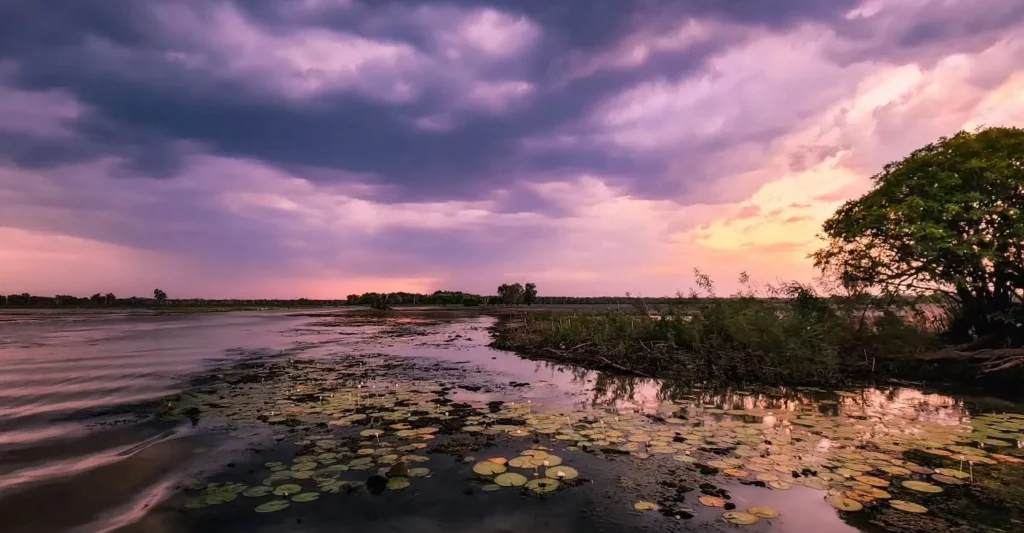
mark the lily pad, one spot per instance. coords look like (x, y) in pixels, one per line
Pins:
(419, 472)
(711, 501)
(909, 507)
(562, 472)
(959, 474)
(763, 511)
(739, 518)
(646, 506)
(273, 506)
(488, 468)
(946, 480)
(921, 486)
(843, 503)
(895, 470)
(397, 483)
(510, 479)
(873, 481)
(541, 485)
(256, 492)
(287, 489)
(306, 497)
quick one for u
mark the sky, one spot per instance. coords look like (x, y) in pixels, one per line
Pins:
(316, 148)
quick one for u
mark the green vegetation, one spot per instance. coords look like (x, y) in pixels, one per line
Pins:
(784, 334)
(947, 221)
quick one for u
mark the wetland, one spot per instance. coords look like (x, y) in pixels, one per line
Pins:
(411, 422)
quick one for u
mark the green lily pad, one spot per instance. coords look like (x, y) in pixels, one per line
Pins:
(562, 472)
(488, 468)
(959, 474)
(541, 485)
(306, 496)
(273, 506)
(287, 489)
(397, 483)
(256, 492)
(510, 479)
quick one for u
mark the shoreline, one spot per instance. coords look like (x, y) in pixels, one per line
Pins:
(995, 372)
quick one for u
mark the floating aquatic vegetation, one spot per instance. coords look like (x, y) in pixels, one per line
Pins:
(257, 492)
(510, 479)
(397, 483)
(646, 506)
(711, 501)
(287, 489)
(909, 507)
(273, 506)
(921, 486)
(739, 518)
(306, 496)
(849, 446)
(843, 503)
(542, 485)
(562, 472)
(488, 468)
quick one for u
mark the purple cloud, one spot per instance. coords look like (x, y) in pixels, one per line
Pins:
(329, 146)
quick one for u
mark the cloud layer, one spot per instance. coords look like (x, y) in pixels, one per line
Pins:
(321, 147)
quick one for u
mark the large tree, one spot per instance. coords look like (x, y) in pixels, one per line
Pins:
(945, 220)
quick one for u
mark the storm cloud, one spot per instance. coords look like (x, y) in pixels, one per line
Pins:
(322, 146)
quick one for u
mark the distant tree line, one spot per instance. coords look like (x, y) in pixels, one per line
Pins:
(507, 294)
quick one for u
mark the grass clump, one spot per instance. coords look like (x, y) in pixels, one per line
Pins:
(788, 336)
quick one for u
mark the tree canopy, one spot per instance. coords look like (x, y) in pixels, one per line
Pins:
(946, 219)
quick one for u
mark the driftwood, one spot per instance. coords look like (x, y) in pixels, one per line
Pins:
(604, 361)
(983, 362)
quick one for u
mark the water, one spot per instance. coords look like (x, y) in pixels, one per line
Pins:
(91, 422)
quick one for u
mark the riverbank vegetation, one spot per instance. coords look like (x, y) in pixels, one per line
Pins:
(925, 273)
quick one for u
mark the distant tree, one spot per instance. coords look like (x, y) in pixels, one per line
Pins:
(19, 299)
(946, 219)
(352, 299)
(110, 299)
(510, 294)
(96, 298)
(160, 296)
(530, 293)
(395, 298)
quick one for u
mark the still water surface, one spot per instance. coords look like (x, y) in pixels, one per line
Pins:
(81, 449)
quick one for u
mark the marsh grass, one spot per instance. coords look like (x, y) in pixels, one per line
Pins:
(793, 338)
